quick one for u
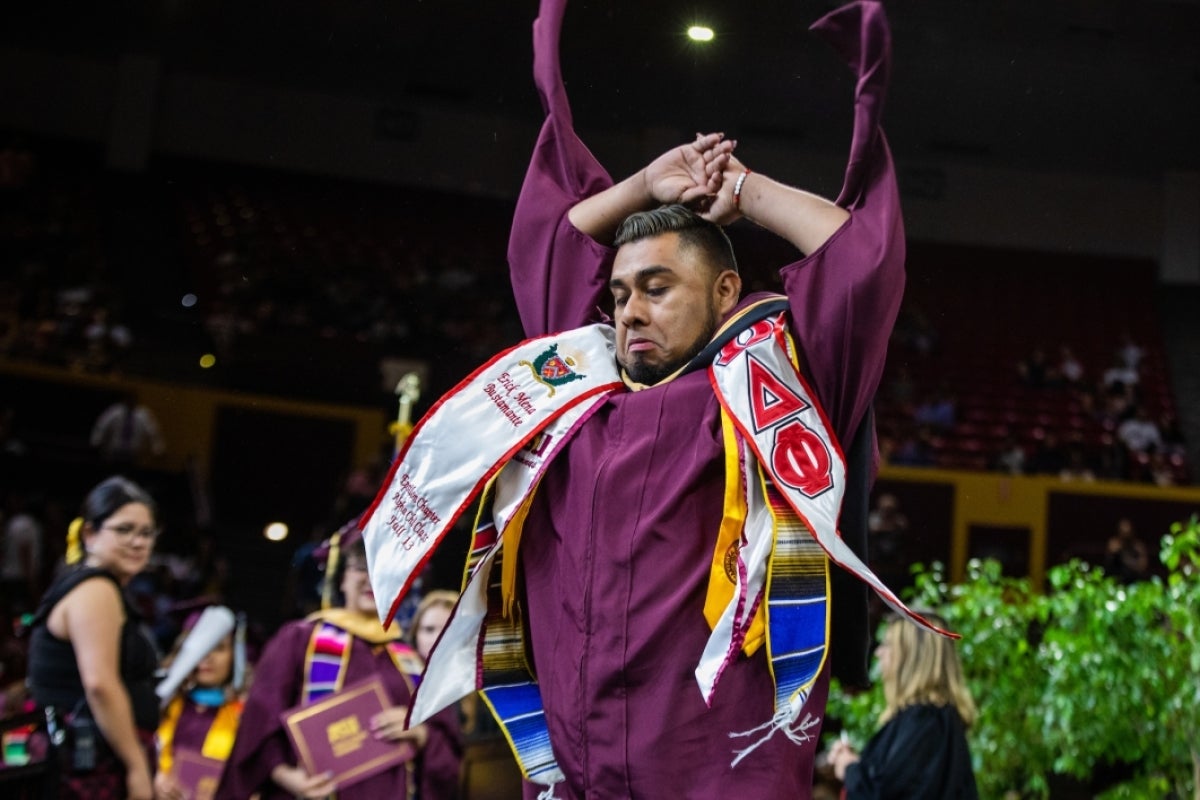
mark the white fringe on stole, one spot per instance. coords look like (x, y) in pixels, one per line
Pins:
(784, 720)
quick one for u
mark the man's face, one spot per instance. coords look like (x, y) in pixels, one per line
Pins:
(667, 306)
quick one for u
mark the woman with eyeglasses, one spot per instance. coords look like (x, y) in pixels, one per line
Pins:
(90, 665)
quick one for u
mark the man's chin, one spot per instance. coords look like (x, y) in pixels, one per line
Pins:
(649, 374)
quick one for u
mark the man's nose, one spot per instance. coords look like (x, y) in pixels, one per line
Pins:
(633, 312)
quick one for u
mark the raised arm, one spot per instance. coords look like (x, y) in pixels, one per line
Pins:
(568, 208)
(558, 274)
(685, 174)
(846, 289)
(804, 219)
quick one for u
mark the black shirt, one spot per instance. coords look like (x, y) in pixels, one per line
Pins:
(53, 674)
(920, 754)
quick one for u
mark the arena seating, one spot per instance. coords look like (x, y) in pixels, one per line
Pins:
(983, 312)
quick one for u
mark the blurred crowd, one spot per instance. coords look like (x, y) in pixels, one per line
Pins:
(1050, 416)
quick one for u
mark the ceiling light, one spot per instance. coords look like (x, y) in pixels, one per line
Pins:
(276, 531)
(700, 33)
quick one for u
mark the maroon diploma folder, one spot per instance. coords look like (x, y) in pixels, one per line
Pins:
(334, 734)
(197, 775)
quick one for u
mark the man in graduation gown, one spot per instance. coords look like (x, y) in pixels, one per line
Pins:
(618, 543)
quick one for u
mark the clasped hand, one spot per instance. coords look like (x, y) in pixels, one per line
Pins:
(699, 174)
(841, 755)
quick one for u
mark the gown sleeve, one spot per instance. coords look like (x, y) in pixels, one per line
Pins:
(558, 273)
(441, 759)
(845, 296)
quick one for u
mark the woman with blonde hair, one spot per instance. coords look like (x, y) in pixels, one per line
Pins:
(920, 750)
(432, 614)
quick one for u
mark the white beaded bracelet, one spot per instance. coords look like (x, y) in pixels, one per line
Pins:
(737, 188)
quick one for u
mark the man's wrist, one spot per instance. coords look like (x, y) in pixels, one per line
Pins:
(739, 187)
(644, 187)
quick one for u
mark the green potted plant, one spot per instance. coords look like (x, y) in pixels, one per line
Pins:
(1091, 683)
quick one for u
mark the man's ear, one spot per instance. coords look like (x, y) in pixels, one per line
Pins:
(727, 290)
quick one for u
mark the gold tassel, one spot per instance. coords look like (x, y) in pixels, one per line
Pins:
(330, 570)
(74, 545)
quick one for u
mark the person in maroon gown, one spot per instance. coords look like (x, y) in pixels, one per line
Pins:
(262, 760)
(619, 539)
(202, 715)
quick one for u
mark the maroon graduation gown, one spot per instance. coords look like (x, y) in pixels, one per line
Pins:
(262, 743)
(618, 543)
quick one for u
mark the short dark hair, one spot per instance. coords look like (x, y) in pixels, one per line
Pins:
(111, 494)
(693, 229)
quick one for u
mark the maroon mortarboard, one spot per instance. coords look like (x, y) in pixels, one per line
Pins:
(191, 608)
(345, 536)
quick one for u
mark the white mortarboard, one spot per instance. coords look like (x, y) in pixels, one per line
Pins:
(214, 625)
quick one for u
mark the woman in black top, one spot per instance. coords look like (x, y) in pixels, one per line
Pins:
(920, 752)
(89, 660)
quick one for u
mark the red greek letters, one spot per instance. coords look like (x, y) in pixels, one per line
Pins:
(758, 332)
(771, 400)
(799, 456)
(801, 459)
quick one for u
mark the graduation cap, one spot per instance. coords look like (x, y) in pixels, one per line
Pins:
(205, 630)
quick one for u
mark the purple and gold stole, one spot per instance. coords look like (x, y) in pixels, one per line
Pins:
(329, 647)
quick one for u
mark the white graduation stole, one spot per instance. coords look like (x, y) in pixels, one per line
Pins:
(472, 432)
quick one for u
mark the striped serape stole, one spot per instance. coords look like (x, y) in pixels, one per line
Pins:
(483, 540)
(325, 662)
(797, 598)
(408, 662)
(508, 686)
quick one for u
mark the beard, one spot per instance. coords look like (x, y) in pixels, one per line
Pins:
(648, 374)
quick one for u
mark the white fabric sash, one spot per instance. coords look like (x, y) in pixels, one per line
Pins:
(727, 635)
(469, 434)
(452, 672)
